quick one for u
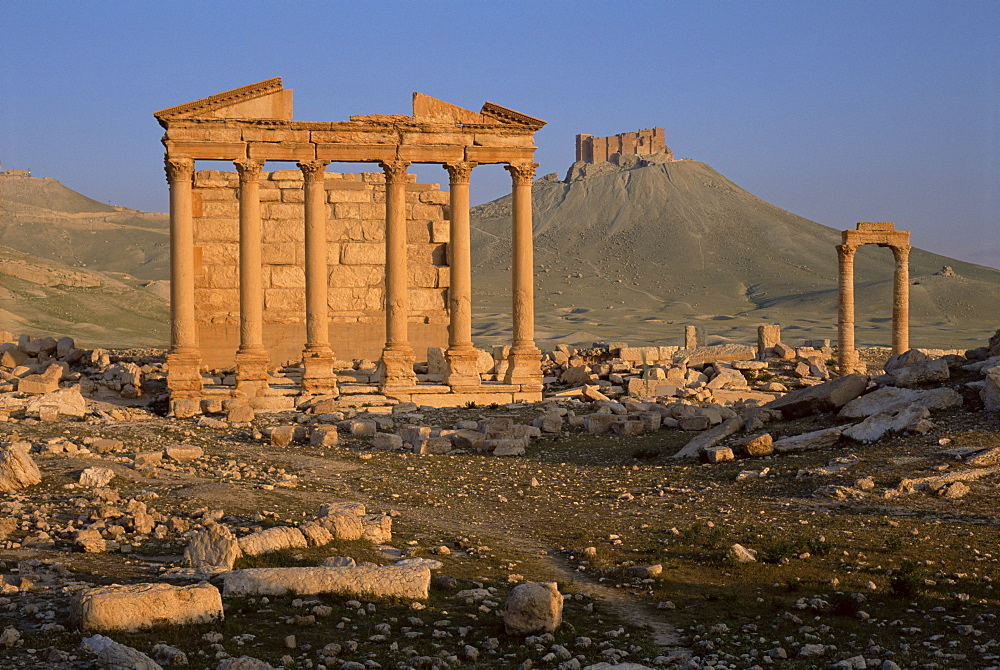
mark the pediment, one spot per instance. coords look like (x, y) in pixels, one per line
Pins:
(431, 110)
(503, 115)
(267, 99)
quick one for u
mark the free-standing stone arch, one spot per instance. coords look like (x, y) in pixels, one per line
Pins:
(251, 126)
(884, 234)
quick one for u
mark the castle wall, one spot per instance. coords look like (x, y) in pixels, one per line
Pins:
(646, 142)
(355, 255)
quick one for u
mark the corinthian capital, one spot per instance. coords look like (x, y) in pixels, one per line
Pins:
(521, 173)
(459, 173)
(178, 168)
(846, 251)
(313, 170)
(249, 169)
(395, 171)
(901, 253)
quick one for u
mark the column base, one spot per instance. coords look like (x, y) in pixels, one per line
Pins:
(395, 368)
(184, 375)
(463, 367)
(524, 366)
(317, 373)
(849, 363)
(251, 373)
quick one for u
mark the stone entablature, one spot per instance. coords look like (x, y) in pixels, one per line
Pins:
(884, 234)
(251, 126)
(646, 142)
(354, 212)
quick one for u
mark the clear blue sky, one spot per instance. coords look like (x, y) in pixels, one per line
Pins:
(837, 111)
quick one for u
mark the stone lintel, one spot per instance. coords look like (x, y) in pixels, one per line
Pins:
(361, 153)
(431, 154)
(212, 151)
(282, 151)
(484, 155)
(883, 238)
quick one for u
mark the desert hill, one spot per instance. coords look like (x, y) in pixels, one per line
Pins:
(45, 219)
(634, 248)
(74, 266)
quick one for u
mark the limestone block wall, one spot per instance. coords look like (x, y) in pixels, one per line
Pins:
(355, 233)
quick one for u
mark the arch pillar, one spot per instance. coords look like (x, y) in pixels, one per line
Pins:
(847, 356)
(901, 299)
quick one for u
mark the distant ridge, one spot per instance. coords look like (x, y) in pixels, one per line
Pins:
(631, 244)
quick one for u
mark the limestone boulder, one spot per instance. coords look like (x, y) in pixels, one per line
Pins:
(316, 533)
(17, 469)
(183, 452)
(90, 541)
(112, 655)
(817, 439)
(990, 393)
(893, 398)
(912, 419)
(96, 477)
(740, 554)
(135, 607)
(408, 581)
(535, 607)
(376, 528)
(576, 375)
(343, 525)
(919, 374)
(272, 539)
(213, 549)
(825, 397)
(898, 361)
(67, 402)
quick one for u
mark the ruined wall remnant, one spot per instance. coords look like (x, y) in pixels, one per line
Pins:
(646, 142)
(355, 254)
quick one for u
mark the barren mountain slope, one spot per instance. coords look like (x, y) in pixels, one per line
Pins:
(657, 244)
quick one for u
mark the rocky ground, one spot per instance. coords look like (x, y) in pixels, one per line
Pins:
(816, 537)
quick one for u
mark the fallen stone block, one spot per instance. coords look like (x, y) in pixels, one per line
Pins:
(898, 361)
(468, 439)
(697, 422)
(272, 539)
(17, 469)
(90, 541)
(147, 459)
(535, 607)
(185, 408)
(376, 528)
(66, 402)
(183, 452)
(506, 447)
(985, 458)
(282, 436)
(710, 438)
(762, 445)
(628, 427)
(599, 424)
(324, 436)
(432, 445)
(343, 525)
(408, 581)
(893, 398)
(96, 477)
(718, 454)
(135, 607)
(114, 656)
(990, 393)
(907, 419)
(213, 549)
(919, 374)
(824, 397)
(817, 439)
(549, 423)
(386, 442)
(316, 533)
(240, 414)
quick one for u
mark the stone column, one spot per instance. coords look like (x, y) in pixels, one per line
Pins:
(317, 357)
(901, 300)
(768, 336)
(461, 355)
(690, 337)
(847, 357)
(397, 356)
(251, 357)
(525, 366)
(184, 357)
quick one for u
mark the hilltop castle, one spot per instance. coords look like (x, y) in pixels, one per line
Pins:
(646, 142)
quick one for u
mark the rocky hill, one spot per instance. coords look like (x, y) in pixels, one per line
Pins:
(635, 248)
(72, 265)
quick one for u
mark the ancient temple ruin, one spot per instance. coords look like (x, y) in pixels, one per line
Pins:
(884, 234)
(267, 263)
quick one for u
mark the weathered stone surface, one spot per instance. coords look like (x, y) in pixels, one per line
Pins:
(892, 398)
(282, 436)
(824, 397)
(985, 458)
(376, 528)
(578, 374)
(741, 554)
(468, 439)
(243, 663)
(762, 445)
(535, 607)
(90, 541)
(990, 393)
(710, 438)
(905, 419)
(728, 378)
(919, 374)
(213, 549)
(241, 414)
(717, 352)
(17, 469)
(598, 424)
(96, 477)
(68, 402)
(343, 525)
(272, 539)
(386, 441)
(718, 454)
(817, 439)
(910, 357)
(411, 581)
(506, 447)
(183, 452)
(696, 422)
(139, 606)
(114, 656)
(324, 436)
(316, 533)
